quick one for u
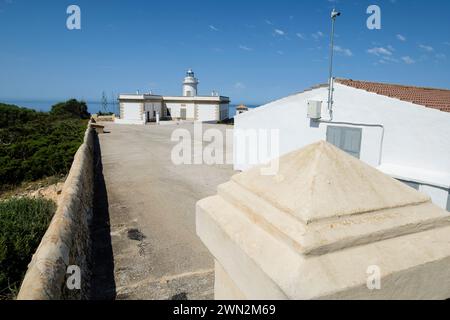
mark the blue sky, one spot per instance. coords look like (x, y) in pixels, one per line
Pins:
(253, 51)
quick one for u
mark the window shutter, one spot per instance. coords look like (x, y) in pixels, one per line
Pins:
(346, 139)
(334, 136)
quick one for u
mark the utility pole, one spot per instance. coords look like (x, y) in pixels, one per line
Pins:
(334, 15)
(113, 103)
(104, 103)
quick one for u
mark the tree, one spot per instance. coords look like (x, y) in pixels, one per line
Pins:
(72, 108)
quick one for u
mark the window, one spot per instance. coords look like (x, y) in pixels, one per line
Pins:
(413, 185)
(346, 139)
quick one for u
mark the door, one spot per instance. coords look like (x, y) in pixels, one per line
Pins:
(183, 114)
(132, 111)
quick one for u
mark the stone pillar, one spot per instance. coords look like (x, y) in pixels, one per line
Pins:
(327, 226)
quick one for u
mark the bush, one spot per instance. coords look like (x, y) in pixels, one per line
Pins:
(71, 108)
(104, 113)
(35, 145)
(23, 223)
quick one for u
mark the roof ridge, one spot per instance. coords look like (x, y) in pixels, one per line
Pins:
(434, 98)
(391, 84)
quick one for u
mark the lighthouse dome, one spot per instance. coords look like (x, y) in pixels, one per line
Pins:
(190, 73)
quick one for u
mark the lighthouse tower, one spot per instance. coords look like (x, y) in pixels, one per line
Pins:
(190, 84)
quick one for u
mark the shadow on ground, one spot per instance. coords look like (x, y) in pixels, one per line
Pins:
(103, 286)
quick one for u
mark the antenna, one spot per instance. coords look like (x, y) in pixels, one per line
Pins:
(334, 15)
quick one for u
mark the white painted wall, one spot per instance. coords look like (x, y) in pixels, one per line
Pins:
(131, 111)
(175, 109)
(189, 88)
(207, 112)
(439, 196)
(414, 136)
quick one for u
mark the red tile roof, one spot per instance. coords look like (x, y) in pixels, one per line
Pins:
(428, 97)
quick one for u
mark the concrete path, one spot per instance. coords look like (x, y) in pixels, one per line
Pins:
(151, 202)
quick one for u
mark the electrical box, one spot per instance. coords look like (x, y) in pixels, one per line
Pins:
(314, 109)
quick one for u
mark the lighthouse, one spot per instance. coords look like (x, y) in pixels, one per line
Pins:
(142, 108)
(190, 84)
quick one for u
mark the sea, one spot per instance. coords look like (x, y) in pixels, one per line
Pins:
(93, 106)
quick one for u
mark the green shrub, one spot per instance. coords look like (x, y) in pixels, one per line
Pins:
(35, 145)
(23, 222)
(71, 108)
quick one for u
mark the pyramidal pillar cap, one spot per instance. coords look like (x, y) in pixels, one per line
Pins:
(314, 229)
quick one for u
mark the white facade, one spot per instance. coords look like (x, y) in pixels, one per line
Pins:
(407, 141)
(152, 109)
(140, 109)
(132, 111)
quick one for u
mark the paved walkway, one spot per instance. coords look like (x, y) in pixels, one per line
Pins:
(151, 204)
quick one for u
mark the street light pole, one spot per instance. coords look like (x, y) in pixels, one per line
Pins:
(334, 15)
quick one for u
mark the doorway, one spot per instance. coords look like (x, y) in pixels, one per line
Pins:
(183, 114)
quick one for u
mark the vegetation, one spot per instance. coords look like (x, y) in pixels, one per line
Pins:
(72, 108)
(35, 145)
(23, 222)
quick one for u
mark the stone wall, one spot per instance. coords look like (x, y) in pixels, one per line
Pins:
(110, 118)
(67, 240)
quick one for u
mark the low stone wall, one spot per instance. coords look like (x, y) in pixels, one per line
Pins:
(109, 118)
(67, 240)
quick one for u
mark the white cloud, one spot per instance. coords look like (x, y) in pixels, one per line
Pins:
(344, 51)
(426, 48)
(245, 48)
(317, 35)
(300, 35)
(268, 22)
(213, 28)
(401, 37)
(387, 59)
(441, 56)
(380, 51)
(280, 52)
(408, 60)
(279, 32)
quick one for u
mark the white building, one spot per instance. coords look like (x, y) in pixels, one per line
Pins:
(143, 108)
(401, 130)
